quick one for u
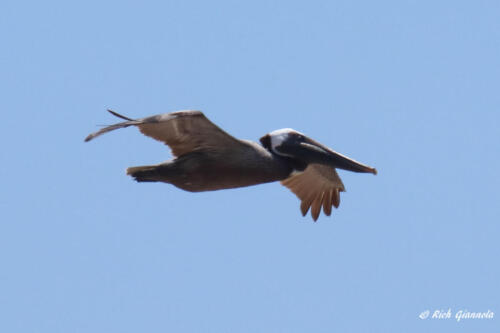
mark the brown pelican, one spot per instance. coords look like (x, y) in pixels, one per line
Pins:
(207, 159)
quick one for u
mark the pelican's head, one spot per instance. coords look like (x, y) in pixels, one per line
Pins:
(292, 144)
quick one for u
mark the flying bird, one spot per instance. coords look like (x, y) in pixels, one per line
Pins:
(206, 158)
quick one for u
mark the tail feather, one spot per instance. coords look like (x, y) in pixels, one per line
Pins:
(145, 173)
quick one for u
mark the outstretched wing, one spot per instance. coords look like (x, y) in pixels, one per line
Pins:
(318, 185)
(182, 131)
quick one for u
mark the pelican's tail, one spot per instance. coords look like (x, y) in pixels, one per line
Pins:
(145, 173)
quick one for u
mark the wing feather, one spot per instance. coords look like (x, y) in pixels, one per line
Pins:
(316, 205)
(182, 131)
(327, 208)
(317, 186)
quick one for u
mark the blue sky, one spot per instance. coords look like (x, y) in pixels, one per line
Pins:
(409, 87)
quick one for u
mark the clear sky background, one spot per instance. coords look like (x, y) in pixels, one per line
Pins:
(409, 87)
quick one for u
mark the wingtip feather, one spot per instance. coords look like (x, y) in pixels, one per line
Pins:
(116, 114)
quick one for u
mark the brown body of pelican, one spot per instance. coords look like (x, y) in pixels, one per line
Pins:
(207, 159)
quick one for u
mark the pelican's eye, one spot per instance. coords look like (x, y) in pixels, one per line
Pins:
(300, 138)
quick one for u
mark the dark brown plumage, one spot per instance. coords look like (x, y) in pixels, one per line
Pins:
(207, 158)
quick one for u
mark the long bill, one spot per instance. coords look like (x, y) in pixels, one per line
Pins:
(314, 152)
